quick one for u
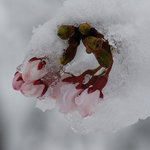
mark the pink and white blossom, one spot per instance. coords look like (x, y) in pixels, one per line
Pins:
(33, 89)
(67, 102)
(17, 81)
(56, 91)
(34, 70)
(87, 103)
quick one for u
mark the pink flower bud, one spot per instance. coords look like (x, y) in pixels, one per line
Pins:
(87, 102)
(17, 81)
(67, 103)
(34, 70)
(34, 89)
(56, 88)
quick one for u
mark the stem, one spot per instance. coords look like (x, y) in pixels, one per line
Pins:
(108, 71)
(103, 72)
(96, 69)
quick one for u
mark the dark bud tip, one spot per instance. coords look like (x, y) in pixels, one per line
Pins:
(41, 65)
(91, 90)
(101, 95)
(80, 86)
(69, 79)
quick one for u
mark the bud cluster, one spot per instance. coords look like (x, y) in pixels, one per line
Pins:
(83, 96)
(30, 82)
(85, 90)
(93, 41)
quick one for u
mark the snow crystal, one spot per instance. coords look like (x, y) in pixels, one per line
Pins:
(45, 104)
(126, 25)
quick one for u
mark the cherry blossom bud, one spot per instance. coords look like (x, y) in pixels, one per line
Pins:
(34, 70)
(67, 103)
(88, 49)
(104, 58)
(87, 102)
(64, 32)
(17, 81)
(84, 28)
(34, 89)
(56, 88)
(94, 43)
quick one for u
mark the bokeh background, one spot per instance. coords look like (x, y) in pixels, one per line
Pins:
(24, 127)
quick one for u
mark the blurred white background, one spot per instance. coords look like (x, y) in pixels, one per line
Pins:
(24, 127)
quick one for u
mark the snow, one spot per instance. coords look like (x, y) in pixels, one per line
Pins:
(46, 104)
(126, 25)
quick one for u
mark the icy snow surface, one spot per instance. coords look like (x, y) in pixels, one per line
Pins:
(126, 24)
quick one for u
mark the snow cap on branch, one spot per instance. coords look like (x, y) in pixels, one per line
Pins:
(127, 91)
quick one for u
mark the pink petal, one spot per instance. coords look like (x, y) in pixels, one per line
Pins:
(68, 100)
(60, 104)
(89, 103)
(32, 71)
(81, 98)
(56, 88)
(30, 90)
(17, 81)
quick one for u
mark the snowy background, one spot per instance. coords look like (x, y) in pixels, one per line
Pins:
(24, 127)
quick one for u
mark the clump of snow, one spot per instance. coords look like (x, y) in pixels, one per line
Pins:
(47, 103)
(126, 25)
